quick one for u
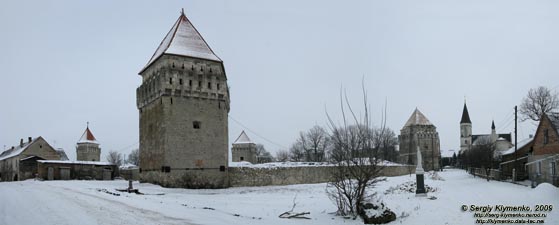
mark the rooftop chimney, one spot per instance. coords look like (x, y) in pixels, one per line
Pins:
(21, 142)
(29, 138)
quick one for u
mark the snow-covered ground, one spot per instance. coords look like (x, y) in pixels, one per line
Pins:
(85, 202)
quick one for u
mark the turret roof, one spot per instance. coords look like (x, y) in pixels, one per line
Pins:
(243, 139)
(417, 118)
(184, 40)
(87, 137)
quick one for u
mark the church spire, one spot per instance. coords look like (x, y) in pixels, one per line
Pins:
(465, 114)
(493, 125)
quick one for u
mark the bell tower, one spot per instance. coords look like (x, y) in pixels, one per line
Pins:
(465, 129)
(183, 103)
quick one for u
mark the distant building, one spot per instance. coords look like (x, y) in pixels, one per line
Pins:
(543, 162)
(420, 132)
(62, 154)
(72, 170)
(20, 162)
(183, 103)
(244, 149)
(500, 142)
(87, 148)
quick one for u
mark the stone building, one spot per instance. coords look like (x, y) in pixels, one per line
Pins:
(87, 148)
(20, 162)
(244, 149)
(183, 103)
(420, 132)
(501, 142)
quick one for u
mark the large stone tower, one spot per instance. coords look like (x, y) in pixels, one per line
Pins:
(184, 104)
(419, 131)
(87, 148)
(244, 149)
(465, 130)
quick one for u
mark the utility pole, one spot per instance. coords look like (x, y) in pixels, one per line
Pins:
(515, 143)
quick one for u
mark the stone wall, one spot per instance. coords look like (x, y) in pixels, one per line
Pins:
(250, 176)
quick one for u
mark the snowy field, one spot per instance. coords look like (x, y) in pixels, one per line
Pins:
(85, 202)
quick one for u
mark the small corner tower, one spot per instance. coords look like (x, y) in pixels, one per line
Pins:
(419, 132)
(87, 148)
(244, 149)
(183, 103)
(465, 129)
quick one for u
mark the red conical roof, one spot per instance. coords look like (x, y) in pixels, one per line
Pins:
(87, 137)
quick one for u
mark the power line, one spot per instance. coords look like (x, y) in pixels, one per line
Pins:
(248, 129)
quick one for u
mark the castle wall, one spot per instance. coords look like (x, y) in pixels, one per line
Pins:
(244, 152)
(249, 176)
(88, 152)
(427, 138)
(184, 105)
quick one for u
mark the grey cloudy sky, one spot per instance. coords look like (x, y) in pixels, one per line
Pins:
(64, 63)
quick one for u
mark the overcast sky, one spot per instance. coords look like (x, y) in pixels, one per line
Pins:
(64, 63)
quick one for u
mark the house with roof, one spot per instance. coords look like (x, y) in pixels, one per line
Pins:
(516, 158)
(419, 132)
(244, 149)
(20, 162)
(544, 159)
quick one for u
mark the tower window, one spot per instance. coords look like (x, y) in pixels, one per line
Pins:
(165, 169)
(180, 81)
(209, 85)
(190, 83)
(545, 136)
(242, 158)
(199, 84)
(196, 124)
(171, 101)
(217, 86)
(170, 80)
(222, 168)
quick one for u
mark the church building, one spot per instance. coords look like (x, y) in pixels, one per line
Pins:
(420, 132)
(500, 142)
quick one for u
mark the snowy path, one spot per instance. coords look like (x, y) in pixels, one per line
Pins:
(40, 203)
(80, 202)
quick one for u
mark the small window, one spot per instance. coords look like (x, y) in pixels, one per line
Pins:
(171, 101)
(196, 124)
(222, 168)
(553, 166)
(199, 84)
(170, 80)
(209, 85)
(165, 169)
(242, 158)
(190, 83)
(545, 136)
(180, 81)
(218, 87)
(40, 146)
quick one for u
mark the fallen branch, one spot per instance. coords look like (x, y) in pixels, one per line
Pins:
(292, 215)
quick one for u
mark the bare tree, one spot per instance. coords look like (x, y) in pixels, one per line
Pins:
(358, 166)
(282, 156)
(314, 143)
(538, 101)
(115, 157)
(296, 152)
(263, 156)
(134, 157)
